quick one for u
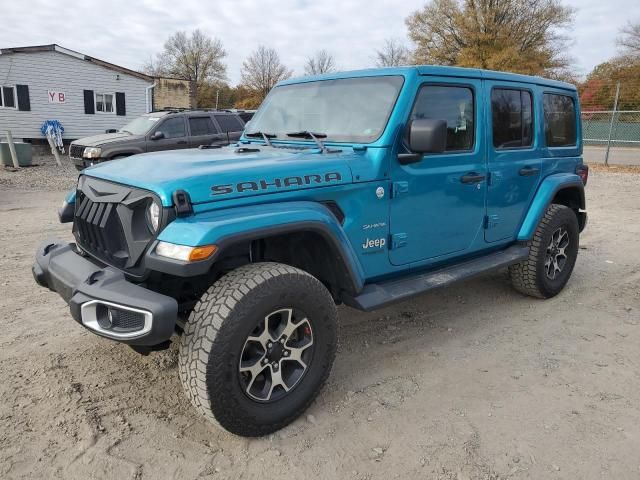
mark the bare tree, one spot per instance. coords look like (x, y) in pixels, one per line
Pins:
(630, 39)
(393, 54)
(522, 36)
(262, 70)
(194, 57)
(321, 62)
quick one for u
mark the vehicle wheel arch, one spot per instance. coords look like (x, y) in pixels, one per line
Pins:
(308, 246)
(572, 196)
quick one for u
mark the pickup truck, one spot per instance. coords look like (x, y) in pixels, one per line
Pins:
(361, 188)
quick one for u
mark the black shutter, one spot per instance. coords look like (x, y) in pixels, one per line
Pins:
(121, 108)
(24, 103)
(89, 102)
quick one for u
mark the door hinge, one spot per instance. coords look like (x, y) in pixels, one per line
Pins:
(399, 189)
(491, 221)
(398, 240)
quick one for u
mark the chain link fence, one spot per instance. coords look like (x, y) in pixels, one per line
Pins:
(611, 121)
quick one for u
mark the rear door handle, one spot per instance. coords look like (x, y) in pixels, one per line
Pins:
(528, 171)
(472, 177)
(182, 142)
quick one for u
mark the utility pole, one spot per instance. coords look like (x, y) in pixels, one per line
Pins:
(613, 116)
(217, 97)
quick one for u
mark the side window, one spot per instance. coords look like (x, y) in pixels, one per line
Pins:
(172, 127)
(229, 123)
(559, 120)
(512, 118)
(201, 126)
(452, 104)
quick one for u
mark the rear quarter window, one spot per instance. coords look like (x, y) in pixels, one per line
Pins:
(229, 123)
(559, 120)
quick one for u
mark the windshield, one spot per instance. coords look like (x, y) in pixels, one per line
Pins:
(141, 125)
(351, 110)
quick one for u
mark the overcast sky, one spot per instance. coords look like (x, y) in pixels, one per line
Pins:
(128, 32)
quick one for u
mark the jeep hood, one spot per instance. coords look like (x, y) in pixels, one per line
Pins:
(106, 138)
(221, 174)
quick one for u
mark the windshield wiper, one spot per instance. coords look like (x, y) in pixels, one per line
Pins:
(265, 136)
(315, 136)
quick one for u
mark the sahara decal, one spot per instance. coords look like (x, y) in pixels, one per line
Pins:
(276, 183)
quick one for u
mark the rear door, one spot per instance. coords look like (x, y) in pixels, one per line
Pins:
(202, 130)
(230, 125)
(513, 155)
(174, 132)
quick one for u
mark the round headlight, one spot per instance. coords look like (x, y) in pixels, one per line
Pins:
(153, 215)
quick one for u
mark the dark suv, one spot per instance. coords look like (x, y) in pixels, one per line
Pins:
(157, 131)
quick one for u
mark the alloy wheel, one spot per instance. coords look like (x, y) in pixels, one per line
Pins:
(276, 355)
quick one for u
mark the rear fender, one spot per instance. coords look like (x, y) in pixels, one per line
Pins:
(547, 191)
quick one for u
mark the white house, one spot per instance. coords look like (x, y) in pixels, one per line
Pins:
(86, 95)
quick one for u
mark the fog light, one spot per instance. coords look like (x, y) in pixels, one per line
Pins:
(106, 317)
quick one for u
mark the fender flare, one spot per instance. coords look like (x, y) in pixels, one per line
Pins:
(224, 228)
(548, 189)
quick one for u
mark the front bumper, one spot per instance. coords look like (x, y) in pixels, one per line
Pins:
(93, 291)
(85, 162)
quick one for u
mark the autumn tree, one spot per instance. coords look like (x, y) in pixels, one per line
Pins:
(393, 54)
(598, 91)
(629, 39)
(321, 62)
(523, 36)
(194, 57)
(262, 70)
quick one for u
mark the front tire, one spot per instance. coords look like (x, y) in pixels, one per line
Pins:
(552, 254)
(258, 347)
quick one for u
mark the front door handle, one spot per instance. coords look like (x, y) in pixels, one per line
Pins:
(472, 177)
(182, 142)
(528, 171)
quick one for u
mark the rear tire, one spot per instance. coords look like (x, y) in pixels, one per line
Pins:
(239, 352)
(552, 255)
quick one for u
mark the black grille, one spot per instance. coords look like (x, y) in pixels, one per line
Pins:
(125, 320)
(98, 230)
(76, 151)
(110, 222)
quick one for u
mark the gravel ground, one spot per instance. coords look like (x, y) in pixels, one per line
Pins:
(471, 382)
(43, 175)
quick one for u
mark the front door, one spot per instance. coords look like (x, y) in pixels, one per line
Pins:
(174, 135)
(513, 157)
(438, 204)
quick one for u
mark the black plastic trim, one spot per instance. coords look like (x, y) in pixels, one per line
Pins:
(378, 295)
(78, 280)
(349, 279)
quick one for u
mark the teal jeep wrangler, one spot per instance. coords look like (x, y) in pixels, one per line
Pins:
(362, 188)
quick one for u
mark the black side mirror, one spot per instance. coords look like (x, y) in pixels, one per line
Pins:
(157, 136)
(426, 135)
(111, 130)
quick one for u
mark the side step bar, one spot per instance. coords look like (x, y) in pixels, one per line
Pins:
(377, 295)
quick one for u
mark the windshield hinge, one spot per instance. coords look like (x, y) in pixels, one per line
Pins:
(399, 189)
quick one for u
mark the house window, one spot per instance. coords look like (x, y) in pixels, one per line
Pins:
(7, 97)
(105, 103)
